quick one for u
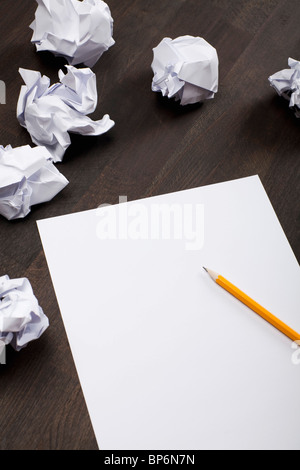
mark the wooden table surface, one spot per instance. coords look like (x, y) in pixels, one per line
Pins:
(156, 146)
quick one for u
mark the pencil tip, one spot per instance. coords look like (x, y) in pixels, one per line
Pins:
(204, 268)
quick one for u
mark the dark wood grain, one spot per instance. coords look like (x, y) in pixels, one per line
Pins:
(156, 147)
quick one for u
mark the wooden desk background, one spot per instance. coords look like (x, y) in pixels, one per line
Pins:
(156, 147)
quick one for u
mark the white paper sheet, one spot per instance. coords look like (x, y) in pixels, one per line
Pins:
(166, 358)
(186, 68)
(287, 84)
(27, 177)
(50, 113)
(78, 31)
(21, 318)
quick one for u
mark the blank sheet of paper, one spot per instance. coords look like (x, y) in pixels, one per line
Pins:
(166, 358)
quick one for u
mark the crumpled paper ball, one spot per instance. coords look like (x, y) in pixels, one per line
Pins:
(27, 177)
(287, 84)
(49, 113)
(78, 31)
(21, 318)
(185, 68)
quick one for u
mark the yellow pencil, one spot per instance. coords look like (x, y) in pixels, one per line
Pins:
(265, 314)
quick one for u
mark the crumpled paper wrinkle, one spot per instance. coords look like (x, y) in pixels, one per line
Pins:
(185, 68)
(50, 113)
(21, 318)
(79, 31)
(27, 178)
(286, 82)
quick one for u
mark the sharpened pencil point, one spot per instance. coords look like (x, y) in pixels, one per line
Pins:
(211, 273)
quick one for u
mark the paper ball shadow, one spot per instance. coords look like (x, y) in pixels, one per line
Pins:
(51, 62)
(171, 106)
(18, 361)
(266, 120)
(81, 144)
(282, 105)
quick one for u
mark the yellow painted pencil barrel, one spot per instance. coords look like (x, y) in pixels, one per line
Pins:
(257, 308)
